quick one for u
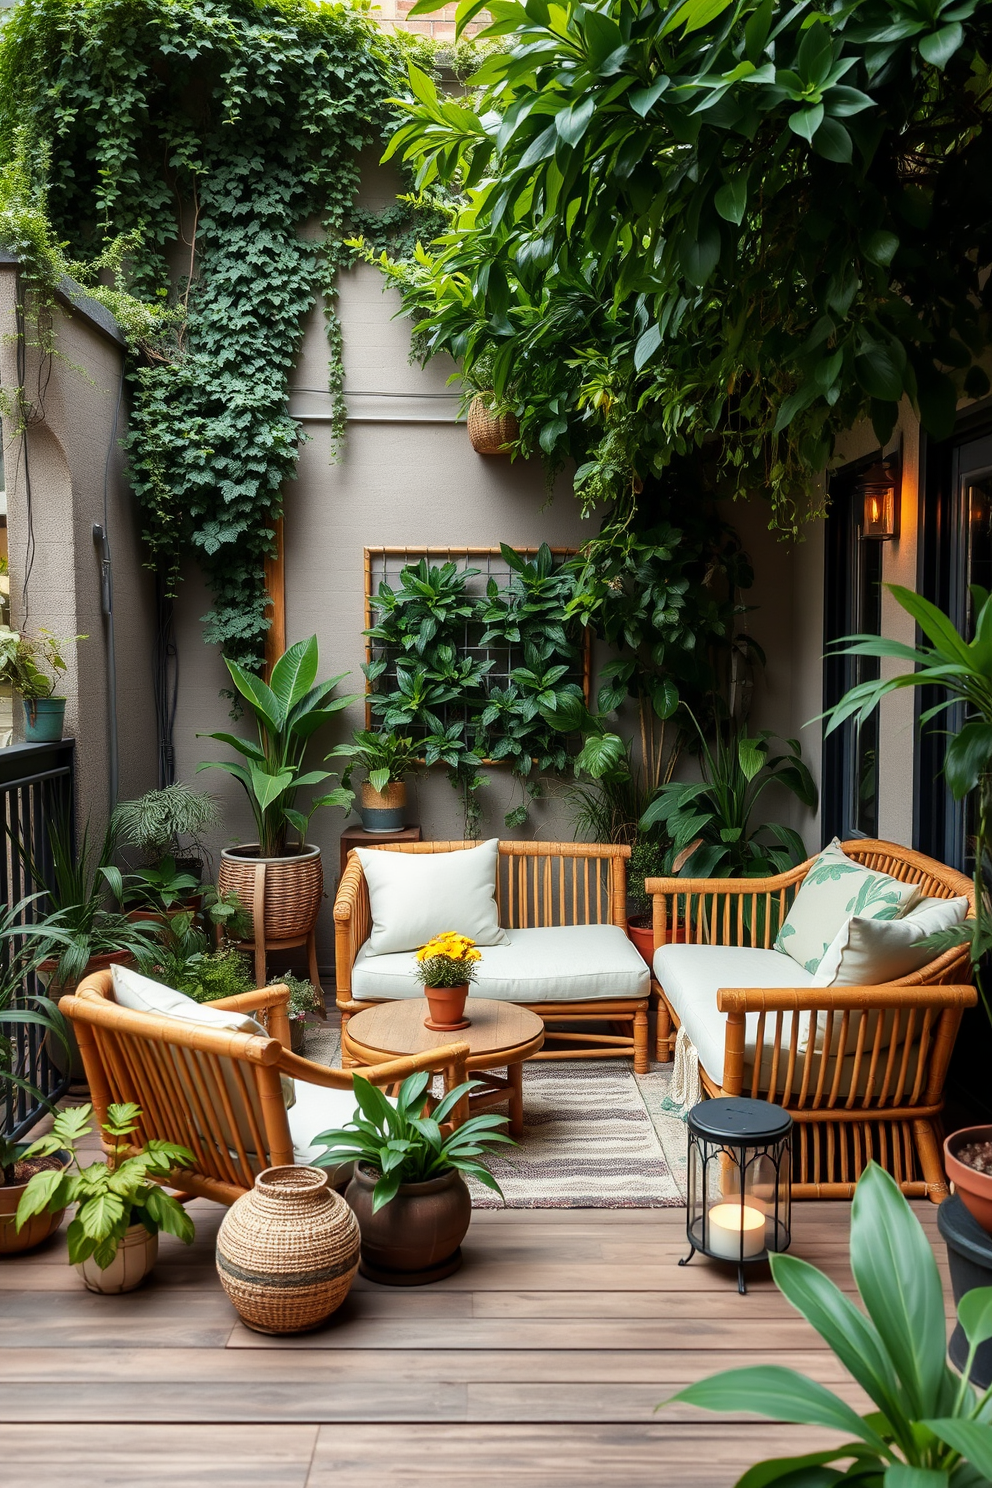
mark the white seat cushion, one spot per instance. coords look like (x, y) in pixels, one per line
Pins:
(691, 976)
(563, 963)
(415, 896)
(317, 1109)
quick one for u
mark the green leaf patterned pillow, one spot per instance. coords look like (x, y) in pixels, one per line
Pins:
(834, 889)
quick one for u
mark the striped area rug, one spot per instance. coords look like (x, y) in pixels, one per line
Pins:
(589, 1141)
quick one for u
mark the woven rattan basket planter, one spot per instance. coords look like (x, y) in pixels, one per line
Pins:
(491, 434)
(290, 890)
(287, 1252)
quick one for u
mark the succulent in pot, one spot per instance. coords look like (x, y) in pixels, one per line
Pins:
(387, 759)
(288, 711)
(20, 1008)
(31, 666)
(113, 1237)
(408, 1190)
(446, 966)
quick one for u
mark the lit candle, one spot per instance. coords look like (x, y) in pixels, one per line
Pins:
(725, 1223)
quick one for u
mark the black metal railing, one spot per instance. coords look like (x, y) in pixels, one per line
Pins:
(36, 787)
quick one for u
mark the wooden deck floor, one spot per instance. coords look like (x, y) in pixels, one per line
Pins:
(539, 1363)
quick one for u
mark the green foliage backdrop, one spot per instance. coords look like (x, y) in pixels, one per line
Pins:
(193, 141)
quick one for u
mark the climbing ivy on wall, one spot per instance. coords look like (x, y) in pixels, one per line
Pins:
(220, 142)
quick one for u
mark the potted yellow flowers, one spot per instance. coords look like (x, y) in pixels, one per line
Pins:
(446, 965)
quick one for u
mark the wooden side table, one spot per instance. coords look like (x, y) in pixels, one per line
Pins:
(500, 1033)
(358, 837)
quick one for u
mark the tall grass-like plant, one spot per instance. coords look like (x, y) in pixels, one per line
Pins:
(962, 670)
(928, 1428)
(19, 1009)
(288, 711)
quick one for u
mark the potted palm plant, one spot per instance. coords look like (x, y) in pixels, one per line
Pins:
(288, 711)
(31, 666)
(387, 759)
(19, 1010)
(113, 1237)
(408, 1192)
(168, 823)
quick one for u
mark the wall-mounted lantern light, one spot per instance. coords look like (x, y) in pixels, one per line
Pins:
(878, 487)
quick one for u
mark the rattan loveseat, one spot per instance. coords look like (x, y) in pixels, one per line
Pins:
(541, 886)
(861, 1069)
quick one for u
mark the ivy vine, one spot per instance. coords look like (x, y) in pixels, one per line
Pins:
(219, 143)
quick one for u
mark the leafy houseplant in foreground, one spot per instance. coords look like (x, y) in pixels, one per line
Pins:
(31, 666)
(408, 1191)
(962, 670)
(929, 1429)
(119, 1205)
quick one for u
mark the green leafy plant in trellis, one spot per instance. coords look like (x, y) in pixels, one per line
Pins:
(222, 129)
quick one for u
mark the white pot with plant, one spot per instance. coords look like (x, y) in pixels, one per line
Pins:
(387, 760)
(113, 1236)
(31, 666)
(288, 711)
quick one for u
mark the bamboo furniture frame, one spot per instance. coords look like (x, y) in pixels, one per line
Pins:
(874, 1087)
(538, 884)
(173, 1070)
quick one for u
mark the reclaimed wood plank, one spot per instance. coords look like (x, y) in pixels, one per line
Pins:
(153, 1456)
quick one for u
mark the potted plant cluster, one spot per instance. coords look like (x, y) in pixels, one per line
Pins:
(303, 999)
(113, 1236)
(31, 666)
(408, 1193)
(168, 823)
(183, 957)
(387, 759)
(927, 1427)
(287, 711)
(19, 1009)
(446, 966)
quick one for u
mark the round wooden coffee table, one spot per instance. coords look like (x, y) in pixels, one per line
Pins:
(499, 1034)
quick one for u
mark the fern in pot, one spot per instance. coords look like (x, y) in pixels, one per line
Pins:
(408, 1190)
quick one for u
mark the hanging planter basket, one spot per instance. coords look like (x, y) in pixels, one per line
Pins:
(491, 433)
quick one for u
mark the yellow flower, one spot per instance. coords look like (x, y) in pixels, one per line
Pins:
(451, 945)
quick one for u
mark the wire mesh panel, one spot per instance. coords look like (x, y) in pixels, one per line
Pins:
(35, 788)
(487, 663)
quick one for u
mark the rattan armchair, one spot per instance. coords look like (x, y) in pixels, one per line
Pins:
(216, 1092)
(538, 885)
(858, 1086)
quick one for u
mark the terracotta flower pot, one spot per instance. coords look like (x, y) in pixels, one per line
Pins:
(974, 1188)
(291, 890)
(447, 1008)
(416, 1237)
(384, 811)
(136, 1255)
(36, 1230)
(641, 932)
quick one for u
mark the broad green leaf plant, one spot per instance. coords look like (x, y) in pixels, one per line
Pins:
(961, 670)
(110, 1196)
(928, 1428)
(288, 710)
(403, 1144)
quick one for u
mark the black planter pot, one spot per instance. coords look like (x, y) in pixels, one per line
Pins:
(969, 1253)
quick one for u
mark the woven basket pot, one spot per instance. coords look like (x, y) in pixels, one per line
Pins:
(287, 1252)
(289, 888)
(491, 434)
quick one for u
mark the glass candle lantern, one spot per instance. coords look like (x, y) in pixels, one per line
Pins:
(740, 1170)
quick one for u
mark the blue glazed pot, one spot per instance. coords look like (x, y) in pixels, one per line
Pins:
(43, 719)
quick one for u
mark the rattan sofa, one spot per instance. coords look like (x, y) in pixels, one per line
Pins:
(857, 1086)
(221, 1093)
(539, 886)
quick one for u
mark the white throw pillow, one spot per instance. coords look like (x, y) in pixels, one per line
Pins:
(415, 896)
(868, 953)
(142, 995)
(834, 889)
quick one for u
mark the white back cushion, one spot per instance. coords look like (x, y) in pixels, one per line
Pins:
(142, 995)
(867, 953)
(415, 896)
(835, 888)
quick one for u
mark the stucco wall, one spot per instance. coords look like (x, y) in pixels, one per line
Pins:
(72, 447)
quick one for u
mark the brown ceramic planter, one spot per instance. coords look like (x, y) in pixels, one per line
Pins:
(36, 1230)
(416, 1237)
(973, 1188)
(447, 1008)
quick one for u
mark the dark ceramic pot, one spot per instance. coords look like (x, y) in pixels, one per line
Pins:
(416, 1237)
(969, 1255)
